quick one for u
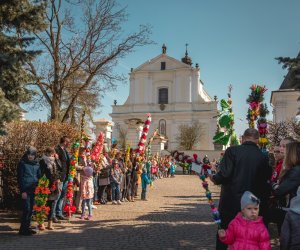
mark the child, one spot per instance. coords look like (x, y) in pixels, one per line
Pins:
(87, 190)
(154, 169)
(246, 230)
(29, 173)
(290, 231)
(145, 183)
(115, 181)
(172, 168)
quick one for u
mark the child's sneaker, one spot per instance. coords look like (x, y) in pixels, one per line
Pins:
(94, 207)
(114, 202)
(90, 217)
(119, 202)
(82, 217)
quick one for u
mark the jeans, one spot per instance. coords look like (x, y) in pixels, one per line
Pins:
(124, 193)
(115, 191)
(51, 203)
(144, 193)
(95, 181)
(58, 206)
(87, 202)
(27, 206)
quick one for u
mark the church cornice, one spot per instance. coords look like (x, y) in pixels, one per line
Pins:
(162, 57)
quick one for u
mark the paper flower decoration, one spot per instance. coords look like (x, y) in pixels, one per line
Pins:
(254, 100)
(98, 148)
(69, 208)
(208, 194)
(257, 112)
(226, 133)
(41, 196)
(141, 145)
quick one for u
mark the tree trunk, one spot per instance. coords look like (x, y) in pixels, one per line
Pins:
(55, 108)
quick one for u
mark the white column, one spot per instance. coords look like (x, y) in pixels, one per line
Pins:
(190, 89)
(150, 89)
(195, 86)
(178, 95)
(136, 91)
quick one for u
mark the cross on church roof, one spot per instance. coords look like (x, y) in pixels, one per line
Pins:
(186, 59)
(186, 52)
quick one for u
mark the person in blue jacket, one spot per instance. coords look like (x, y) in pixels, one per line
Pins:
(173, 167)
(28, 175)
(145, 183)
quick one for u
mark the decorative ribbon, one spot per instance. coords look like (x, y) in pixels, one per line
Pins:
(208, 194)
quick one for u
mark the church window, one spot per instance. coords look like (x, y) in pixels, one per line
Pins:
(163, 65)
(162, 127)
(163, 96)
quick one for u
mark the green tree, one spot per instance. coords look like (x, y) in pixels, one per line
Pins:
(189, 135)
(289, 63)
(18, 20)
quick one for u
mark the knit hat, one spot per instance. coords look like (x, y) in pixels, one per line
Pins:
(31, 151)
(249, 199)
(88, 171)
(295, 202)
(115, 161)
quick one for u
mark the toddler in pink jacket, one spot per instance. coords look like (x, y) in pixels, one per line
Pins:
(247, 230)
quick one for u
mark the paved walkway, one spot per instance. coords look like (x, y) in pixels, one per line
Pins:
(175, 217)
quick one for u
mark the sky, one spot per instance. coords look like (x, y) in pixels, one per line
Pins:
(234, 42)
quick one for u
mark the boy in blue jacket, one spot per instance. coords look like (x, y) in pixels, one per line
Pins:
(28, 175)
(145, 183)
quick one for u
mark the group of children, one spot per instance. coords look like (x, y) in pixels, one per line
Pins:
(112, 179)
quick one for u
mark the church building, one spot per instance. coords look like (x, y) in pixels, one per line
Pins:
(172, 92)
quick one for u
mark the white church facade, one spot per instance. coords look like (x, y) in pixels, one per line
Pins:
(172, 92)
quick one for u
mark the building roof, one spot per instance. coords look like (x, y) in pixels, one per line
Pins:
(283, 91)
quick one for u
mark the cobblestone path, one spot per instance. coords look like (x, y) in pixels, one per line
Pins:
(175, 217)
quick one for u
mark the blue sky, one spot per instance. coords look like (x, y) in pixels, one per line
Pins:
(234, 42)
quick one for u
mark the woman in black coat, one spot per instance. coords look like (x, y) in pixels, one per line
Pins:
(291, 180)
(50, 169)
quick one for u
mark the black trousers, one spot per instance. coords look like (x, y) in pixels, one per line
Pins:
(27, 206)
(276, 215)
(101, 191)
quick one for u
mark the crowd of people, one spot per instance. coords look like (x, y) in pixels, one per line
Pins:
(256, 188)
(252, 183)
(110, 180)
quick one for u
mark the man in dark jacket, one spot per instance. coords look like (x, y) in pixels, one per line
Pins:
(243, 168)
(63, 155)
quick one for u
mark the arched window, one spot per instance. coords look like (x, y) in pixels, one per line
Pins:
(163, 96)
(162, 127)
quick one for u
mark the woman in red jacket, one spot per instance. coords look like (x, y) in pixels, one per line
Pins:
(247, 230)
